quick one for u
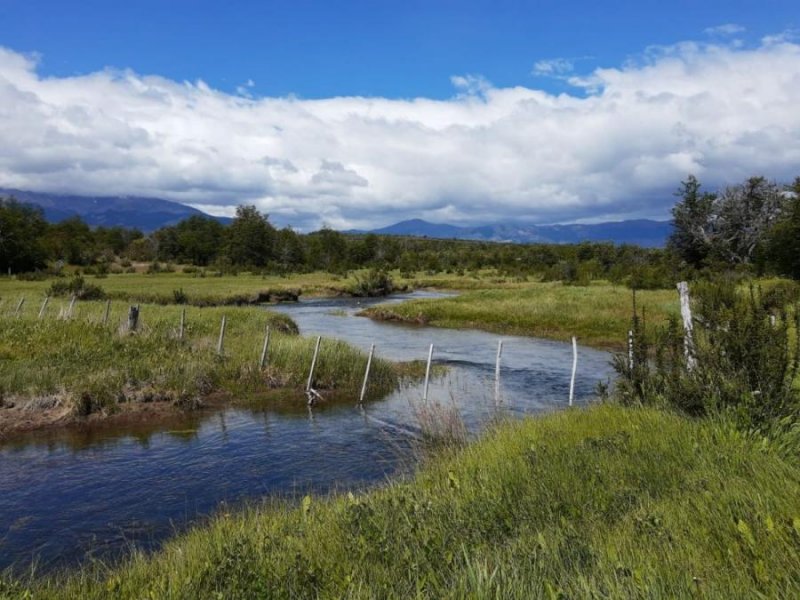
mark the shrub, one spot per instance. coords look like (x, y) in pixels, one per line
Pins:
(376, 282)
(77, 287)
(745, 360)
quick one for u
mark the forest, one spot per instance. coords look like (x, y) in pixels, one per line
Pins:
(753, 227)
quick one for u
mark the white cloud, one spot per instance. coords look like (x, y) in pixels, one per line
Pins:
(617, 149)
(724, 30)
(553, 67)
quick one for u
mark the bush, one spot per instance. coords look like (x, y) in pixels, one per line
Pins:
(376, 282)
(745, 360)
(77, 287)
(180, 296)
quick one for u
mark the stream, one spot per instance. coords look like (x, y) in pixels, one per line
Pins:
(67, 497)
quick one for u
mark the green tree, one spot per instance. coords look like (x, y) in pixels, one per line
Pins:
(692, 221)
(784, 242)
(250, 239)
(22, 228)
(199, 239)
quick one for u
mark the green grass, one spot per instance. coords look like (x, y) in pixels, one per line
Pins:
(606, 502)
(599, 315)
(85, 366)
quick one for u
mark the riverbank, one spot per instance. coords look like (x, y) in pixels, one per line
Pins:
(607, 501)
(66, 368)
(598, 314)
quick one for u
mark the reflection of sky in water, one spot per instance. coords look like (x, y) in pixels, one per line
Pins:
(65, 495)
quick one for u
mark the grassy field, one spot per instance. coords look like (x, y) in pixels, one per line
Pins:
(160, 288)
(606, 502)
(78, 366)
(599, 314)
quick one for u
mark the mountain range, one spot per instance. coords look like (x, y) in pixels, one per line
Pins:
(146, 214)
(641, 232)
(149, 214)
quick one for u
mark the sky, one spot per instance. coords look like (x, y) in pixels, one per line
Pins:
(361, 114)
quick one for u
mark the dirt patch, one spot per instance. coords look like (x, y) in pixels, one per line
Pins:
(21, 416)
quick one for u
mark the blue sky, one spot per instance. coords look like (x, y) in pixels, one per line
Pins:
(358, 114)
(394, 49)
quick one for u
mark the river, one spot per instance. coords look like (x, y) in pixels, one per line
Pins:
(71, 496)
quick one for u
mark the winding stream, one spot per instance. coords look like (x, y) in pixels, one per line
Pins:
(70, 496)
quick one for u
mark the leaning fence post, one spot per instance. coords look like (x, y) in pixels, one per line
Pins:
(44, 306)
(19, 306)
(427, 374)
(183, 323)
(262, 363)
(133, 317)
(366, 374)
(106, 312)
(574, 369)
(313, 365)
(688, 327)
(497, 372)
(71, 306)
(221, 340)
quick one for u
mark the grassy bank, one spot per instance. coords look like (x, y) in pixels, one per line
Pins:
(76, 367)
(599, 314)
(606, 502)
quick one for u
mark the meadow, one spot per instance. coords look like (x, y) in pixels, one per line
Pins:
(60, 367)
(598, 314)
(606, 502)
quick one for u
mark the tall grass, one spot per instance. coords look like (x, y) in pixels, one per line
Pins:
(598, 314)
(86, 366)
(608, 502)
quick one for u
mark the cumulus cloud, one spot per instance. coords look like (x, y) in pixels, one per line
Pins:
(616, 148)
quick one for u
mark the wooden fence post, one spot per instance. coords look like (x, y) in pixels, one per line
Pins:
(366, 374)
(630, 350)
(264, 350)
(497, 372)
(427, 374)
(574, 369)
(313, 365)
(106, 312)
(44, 306)
(19, 306)
(688, 327)
(133, 317)
(182, 324)
(221, 340)
(71, 306)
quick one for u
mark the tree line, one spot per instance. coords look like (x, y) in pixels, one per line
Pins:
(754, 226)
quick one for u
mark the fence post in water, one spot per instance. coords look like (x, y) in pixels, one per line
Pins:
(366, 374)
(427, 374)
(262, 363)
(106, 312)
(574, 369)
(497, 373)
(71, 306)
(19, 306)
(44, 306)
(313, 365)
(133, 317)
(183, 323)
(686, 314)
(221, 340)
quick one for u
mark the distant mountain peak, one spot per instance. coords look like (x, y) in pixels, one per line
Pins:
(147, 214)
(641, 232)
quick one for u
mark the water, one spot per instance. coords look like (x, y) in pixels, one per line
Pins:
(70, 496)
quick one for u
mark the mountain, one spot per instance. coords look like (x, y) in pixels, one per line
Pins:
(147, 214)
(642, 232)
